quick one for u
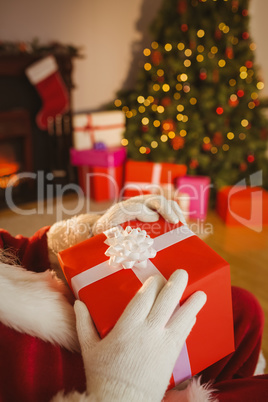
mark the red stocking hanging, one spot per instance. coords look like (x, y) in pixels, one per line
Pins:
(44, 75)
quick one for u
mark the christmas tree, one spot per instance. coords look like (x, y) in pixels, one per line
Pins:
(196, 100)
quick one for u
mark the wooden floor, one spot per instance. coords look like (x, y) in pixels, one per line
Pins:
(244, 249)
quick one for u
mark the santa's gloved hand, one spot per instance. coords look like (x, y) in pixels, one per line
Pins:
(134, 362)
(145, 208)
(67, 233)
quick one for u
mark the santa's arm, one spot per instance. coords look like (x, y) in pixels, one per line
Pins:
(145, 208)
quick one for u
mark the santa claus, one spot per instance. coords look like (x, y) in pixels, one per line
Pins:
(41, 340)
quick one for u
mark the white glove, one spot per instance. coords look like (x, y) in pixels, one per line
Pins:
(145, 208)
(72, 231)
(134, 362)
(67, 233)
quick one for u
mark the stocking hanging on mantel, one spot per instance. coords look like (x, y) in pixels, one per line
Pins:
(45, 76)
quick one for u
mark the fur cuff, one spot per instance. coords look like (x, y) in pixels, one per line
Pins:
(194, 392)
(36, 304)
(261, 365)
(73, 397)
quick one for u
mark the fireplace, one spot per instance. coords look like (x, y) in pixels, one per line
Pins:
(15, 148)
(8, 173)
(23, 146)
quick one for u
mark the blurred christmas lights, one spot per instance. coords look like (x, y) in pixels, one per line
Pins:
(146, 52)
(124, 142)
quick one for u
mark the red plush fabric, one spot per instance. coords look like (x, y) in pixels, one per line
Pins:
(248, 330)
(33, 370)
(31, 252)
(233, 375)
(253, 389)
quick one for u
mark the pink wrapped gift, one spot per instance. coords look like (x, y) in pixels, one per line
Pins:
(98, 158)
(197, 187)
(100, 172)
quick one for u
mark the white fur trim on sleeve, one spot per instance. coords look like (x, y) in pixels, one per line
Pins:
(193, 392)
(197, 392)
(36, 304)
(73, 397)
(261, 365)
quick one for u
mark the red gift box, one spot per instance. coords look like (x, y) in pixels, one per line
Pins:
(101, 183)
(243, 206)
(150, 177)
(107, 290)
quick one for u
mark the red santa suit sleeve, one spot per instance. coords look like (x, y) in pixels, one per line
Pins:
(31, 252)
(34, 369)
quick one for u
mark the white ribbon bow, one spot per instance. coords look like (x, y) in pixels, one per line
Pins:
(129, 247)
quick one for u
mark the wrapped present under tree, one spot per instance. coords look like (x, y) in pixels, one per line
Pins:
(100, 172)
(90, 128)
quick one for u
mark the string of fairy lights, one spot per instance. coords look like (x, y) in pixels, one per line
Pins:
(159, 88)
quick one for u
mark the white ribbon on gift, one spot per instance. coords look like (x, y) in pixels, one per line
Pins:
(182, 369)
(103, 269)
(112, 183)
(156, 175)
(129, 247)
